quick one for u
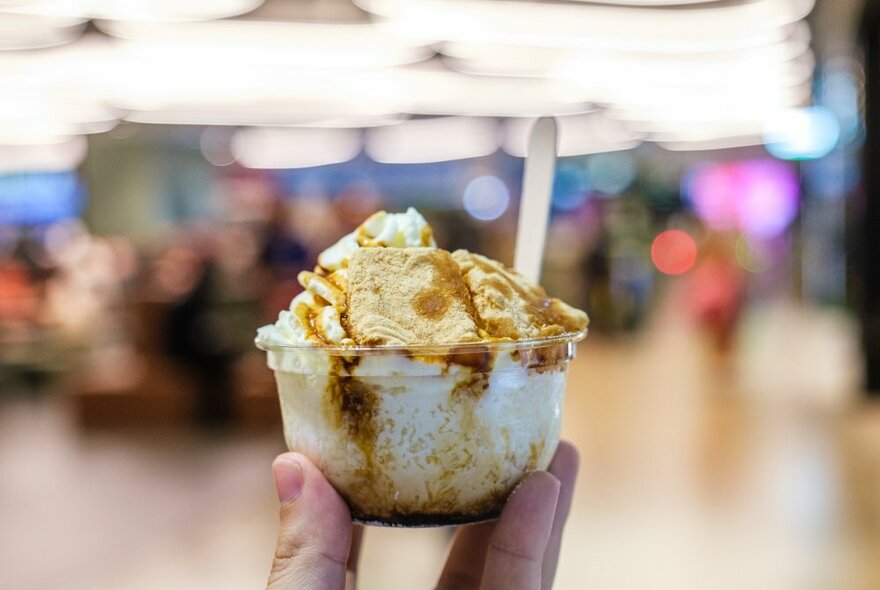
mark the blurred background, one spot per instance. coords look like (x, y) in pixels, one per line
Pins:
(166, 168)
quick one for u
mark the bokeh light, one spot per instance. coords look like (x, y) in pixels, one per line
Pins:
(758, 197)
(216, 145)
(838, 89)
(753, 255)
(769, 199)
(486, 198)
(673, 252)
(803, 134)
(613, 173)
(571, 186)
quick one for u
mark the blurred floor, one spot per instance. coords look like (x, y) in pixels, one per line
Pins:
(694, 475)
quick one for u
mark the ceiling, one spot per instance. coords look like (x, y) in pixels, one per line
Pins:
(682, 73)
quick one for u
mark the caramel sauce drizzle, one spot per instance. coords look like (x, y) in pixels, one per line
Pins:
(543, 310)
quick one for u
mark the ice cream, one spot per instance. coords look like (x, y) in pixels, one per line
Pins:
(424, 383)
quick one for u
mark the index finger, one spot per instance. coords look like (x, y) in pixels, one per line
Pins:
(515, 557)
(564, 467)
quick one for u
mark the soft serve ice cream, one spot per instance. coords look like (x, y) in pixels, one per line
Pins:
(424, 383)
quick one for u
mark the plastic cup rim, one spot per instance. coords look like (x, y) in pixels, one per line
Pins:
(429, 349)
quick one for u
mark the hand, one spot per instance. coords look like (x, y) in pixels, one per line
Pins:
(318, 546)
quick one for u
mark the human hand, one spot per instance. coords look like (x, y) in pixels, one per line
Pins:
(318, 546)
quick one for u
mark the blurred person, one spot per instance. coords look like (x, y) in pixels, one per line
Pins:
(624, 240)
(282, 255)
(561, 274)
(282, 249)
(714, 292)
(631, 283)
(313, 218)
(355, 202)
(318, 545)
(596, 269)
(196, 334)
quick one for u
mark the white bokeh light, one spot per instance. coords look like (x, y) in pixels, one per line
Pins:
(486, 198)
(803, 133)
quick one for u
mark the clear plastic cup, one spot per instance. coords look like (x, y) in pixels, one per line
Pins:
(426, 435)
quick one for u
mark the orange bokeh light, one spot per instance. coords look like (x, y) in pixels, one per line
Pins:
(673, 252)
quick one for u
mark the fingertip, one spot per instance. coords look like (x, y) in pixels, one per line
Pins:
(546, 483)
(287, 471)
(316, 528)
(536, 482)
(564, 466)
(543, 478)
(568, 451)
(292, 459)
(536, 495)
(565, 462)
(285, 458)
(315, 489)
(516, 551)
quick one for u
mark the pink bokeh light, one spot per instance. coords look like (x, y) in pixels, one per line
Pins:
(758, 197)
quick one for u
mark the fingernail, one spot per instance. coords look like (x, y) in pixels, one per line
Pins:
(289, 479)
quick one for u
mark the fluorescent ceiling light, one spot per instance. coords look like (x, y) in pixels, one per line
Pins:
(442, 92)
(189, 84)
(657, 111)
(34, 116)
(648, 3)
(259, 73)
(541, 61)
(206, 88)
(263, 116)
(590, 133)
(56, 88)
(590, 25)
(282, 45)
(707, 128)
(243, 116)
(135, 10)
(433, 140)
(61, 156)
(264, 147)
(610, 71)
(710, 98)
(722, 143)
(708, 131)
(512, 60)
(25, 31)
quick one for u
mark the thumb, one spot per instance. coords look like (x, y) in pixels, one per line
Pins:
(315, 535)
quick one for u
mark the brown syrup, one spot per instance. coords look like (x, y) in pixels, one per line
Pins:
(441, 508)
(354, 406)
(428, 519)
(545, 312)
(431, 303)
(451, 285)
(535, 450)
(308, 318)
